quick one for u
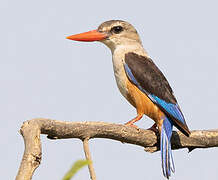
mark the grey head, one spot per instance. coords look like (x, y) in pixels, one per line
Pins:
(119, 33)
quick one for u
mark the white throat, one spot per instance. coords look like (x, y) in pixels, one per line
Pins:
(118, 56)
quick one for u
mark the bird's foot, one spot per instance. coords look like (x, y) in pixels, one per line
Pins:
(153, 128)
(131, 125)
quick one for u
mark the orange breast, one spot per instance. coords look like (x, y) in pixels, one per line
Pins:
(142, 103)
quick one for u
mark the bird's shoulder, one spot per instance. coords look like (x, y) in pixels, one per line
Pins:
(149, 77)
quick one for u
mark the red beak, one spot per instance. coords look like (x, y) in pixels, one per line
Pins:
(89, 36)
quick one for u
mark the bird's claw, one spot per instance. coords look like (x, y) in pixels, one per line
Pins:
(131, 125)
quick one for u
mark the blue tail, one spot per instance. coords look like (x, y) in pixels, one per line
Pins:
(165, 147)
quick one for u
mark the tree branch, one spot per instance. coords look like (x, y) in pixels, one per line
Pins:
(32, 129)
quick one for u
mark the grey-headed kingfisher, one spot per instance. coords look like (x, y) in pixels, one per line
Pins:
(141, 82)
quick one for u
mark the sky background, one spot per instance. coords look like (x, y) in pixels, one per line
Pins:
(44, 75)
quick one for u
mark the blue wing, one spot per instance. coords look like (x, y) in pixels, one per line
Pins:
(172, 109)
(147, 77)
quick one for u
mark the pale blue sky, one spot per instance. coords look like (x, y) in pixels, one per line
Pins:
(44, 75)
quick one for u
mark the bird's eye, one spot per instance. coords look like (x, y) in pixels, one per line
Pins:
(117, 29)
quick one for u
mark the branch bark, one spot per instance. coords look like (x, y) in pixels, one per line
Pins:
(32, 129)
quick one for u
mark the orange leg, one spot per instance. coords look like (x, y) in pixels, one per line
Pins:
(137, 118)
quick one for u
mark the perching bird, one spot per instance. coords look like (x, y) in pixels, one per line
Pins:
(141, 83)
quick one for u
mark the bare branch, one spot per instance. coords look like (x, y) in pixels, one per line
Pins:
(32, 154)
(32, 129)
(88, 157)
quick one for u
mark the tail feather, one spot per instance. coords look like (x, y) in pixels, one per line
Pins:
(165, 147)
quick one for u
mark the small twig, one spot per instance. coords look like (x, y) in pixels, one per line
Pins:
(88, 157)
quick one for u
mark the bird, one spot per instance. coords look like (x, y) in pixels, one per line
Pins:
(141, 82)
